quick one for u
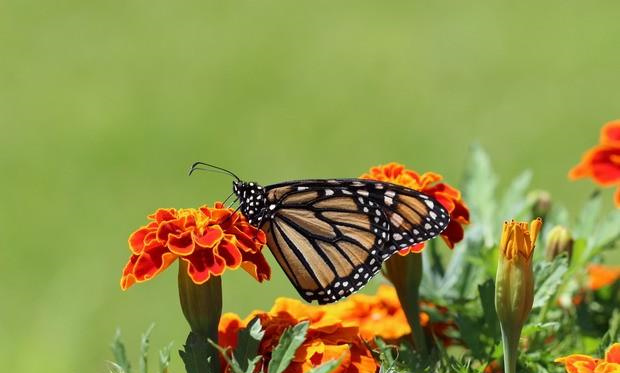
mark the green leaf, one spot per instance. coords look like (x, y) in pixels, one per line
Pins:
(195, 354)
(232, 362)
(327, 367)
(514, 200)
(478, 190)
(487, 301)
(119, 352)
(289, 342)
(247, 347)
(164, 358)
(530, 329)
(612, 335)
(549, 276)
(115, 368)
(608, 230)
(588, 216)
(144, 349)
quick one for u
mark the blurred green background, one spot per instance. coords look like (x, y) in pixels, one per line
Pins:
(105, 104)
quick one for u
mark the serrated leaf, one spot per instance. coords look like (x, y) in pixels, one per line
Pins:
(549, 276)
(119, 352)
(144, 349)
(588, 216)
(327, 367)
(247, 347)
(164, 358)
(514, 201)
(289, 342)
(195, 354)
(479, 185)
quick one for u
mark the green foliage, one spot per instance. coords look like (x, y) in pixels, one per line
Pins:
(195, 354)
(245, 357)
(119, 352)
(121, 363)
(289, 342)
(549, 276)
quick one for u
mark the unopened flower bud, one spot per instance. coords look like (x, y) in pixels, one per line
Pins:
(514, 288)
(541, 202)
(559, 241)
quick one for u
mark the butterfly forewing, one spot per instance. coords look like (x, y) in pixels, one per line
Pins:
(331, 236)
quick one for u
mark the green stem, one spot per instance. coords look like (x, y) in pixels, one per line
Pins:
(511, 348)
(202, 308)
(405, 273)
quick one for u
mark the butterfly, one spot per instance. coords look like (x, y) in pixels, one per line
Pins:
(330, 237)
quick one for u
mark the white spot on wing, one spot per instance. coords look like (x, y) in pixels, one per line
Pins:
(429, 203)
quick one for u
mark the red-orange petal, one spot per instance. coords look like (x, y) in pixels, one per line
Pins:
(613, 354)
(137, 240)
(610, 133)
(578, 363)
(230, 253)
(181, 244)
(256, 265)
(202, 263)
(211, 236)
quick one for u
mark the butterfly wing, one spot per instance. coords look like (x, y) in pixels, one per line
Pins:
(331, 236)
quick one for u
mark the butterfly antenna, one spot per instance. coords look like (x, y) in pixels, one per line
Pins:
(227, 198)
(212, 168)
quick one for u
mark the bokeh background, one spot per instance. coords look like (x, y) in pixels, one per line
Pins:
(105, 104)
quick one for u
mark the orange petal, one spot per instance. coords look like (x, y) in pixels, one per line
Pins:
(137, 239)
(578, 363)
(211, 237)
(617, 197)
(181, 244)
(230, 253)
(610, 133)
(613, 354)
(605, 367)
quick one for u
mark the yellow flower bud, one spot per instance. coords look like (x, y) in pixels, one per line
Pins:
(559, 241)
(514, 288)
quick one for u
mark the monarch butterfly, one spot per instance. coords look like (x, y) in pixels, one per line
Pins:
(331, 236)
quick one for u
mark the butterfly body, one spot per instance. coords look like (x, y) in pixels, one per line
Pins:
(331, 236)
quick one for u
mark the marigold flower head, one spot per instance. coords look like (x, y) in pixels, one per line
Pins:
(602, 162)
(428, 183)
(381, 315)
(208, 239)
(601, 275)
(328, 338)
(586, 364)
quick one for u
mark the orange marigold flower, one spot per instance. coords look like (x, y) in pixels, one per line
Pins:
(602, 162)
(328, 338)
(208, 239)
(382, 316)
(587, 364)
(427, 183)
(601, 275)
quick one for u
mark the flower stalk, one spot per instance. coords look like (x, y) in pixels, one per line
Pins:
(202, 308)
(405, 273)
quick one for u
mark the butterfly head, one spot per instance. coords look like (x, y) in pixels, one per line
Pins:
(252, 201)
